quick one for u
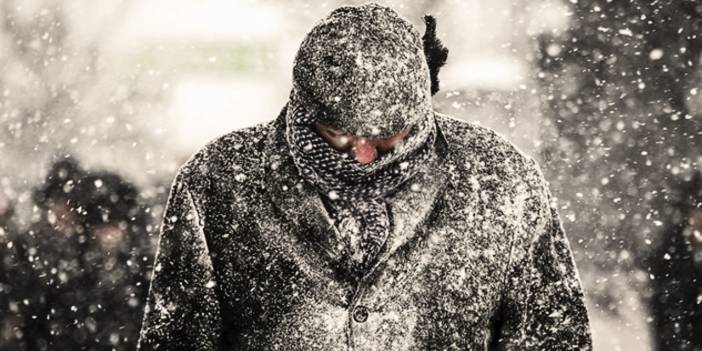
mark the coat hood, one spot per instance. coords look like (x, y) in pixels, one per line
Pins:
(363, 70)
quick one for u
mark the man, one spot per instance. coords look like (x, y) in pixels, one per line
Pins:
(80, 275)
(117, 259)
(10, 323)
(676, 265)
(361, 219)
(44, 261)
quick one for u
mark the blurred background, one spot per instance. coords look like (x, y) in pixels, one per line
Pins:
(102, 101)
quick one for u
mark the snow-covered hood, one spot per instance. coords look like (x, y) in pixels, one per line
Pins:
(363, 70)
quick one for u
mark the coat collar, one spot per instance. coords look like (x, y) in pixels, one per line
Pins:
(301, 204)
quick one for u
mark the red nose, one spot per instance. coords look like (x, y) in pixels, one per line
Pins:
(364, 152)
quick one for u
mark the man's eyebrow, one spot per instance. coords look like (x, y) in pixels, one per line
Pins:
(322, 125)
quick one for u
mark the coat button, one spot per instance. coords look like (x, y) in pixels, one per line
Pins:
(360, 314)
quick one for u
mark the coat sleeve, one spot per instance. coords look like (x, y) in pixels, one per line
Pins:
(182, 310)
(543, 304)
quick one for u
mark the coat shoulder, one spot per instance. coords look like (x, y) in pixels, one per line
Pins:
(508, 181)
(472, 146)
(238, 155)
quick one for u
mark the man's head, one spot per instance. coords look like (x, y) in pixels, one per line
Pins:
(359, 121)
(363, 72)
(113, 212)
(57, 197)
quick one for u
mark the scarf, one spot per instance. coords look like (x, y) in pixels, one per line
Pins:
(355, 193)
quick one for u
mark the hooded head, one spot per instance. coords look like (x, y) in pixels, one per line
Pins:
(363, 70)
(366, 73)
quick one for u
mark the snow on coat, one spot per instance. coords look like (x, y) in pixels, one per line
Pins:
(477, 258)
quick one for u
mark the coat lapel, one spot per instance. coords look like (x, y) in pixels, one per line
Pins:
(301, 205)
(410, 208)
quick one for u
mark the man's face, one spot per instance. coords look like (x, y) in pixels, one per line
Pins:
(60, 217)
(363, 149)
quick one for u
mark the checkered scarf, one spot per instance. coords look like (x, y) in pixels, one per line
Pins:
(352, 191)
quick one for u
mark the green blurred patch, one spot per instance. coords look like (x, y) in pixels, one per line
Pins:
(202, 58)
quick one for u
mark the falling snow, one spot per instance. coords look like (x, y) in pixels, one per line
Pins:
(102, 104)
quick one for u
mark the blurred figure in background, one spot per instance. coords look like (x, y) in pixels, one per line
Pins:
(9, 322)
(48, 254)
(116, 257)
(677, 270)
(82, 277)
(43, 258)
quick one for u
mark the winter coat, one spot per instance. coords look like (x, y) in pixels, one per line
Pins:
(676, 265)
(66, 295)
(476, 260)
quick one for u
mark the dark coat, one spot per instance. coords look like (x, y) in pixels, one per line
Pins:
(676, 267)
(477, 258)
(67, 295)
(60, 289)
(676, 287)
